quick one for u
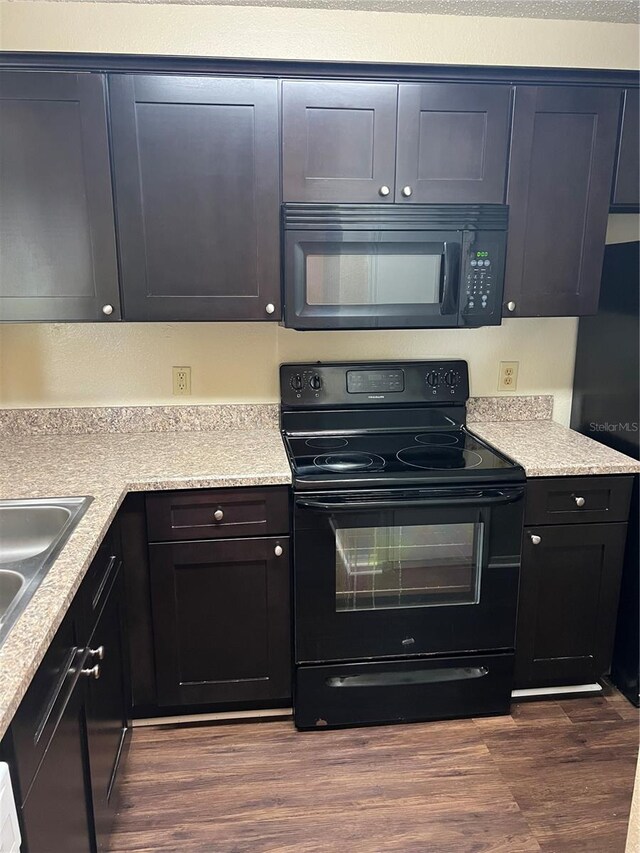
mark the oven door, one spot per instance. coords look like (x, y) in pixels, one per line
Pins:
(424, 571)
(371, 279)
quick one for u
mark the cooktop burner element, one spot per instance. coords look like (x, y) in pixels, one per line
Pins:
(438, 438)
(379, 425)
(439, 459)
(326, 443)
(345, 462)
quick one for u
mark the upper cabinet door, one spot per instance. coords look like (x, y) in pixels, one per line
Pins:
(562, 154)
(338, 141)
(197, 197)
(57, 237)
(625, 197)
(453, 141)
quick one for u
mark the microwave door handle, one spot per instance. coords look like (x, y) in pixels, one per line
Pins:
(356, 506)
(450, 278)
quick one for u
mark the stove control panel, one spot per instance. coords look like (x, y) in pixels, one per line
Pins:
(326, 384)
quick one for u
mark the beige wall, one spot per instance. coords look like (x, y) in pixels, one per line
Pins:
(314, 34)
(100, 364)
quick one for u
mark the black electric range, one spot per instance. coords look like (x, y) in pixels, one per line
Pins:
(406, 546)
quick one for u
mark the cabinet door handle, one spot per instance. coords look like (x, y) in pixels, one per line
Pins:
(278, 550)
(97, 653)
(107, 309)
(406, 191)
(270, 308)
(92, 672)
(535, 539)
(218, 515)
(384, 191)
(579, 501)
(511, 306)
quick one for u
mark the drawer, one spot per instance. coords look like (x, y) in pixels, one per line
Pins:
(217, 513)
(576, 500)
(97, 582)
(35, 720)
(372, 692)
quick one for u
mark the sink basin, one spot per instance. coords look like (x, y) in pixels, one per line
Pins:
(26, 531)
(10, 585)
(32, 534)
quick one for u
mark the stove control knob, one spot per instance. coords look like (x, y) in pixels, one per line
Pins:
(315, 382)
(433, 379)
(297, 382)
(451, 378)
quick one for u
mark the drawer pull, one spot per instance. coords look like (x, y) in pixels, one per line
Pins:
(97, 653)
(278, 550)
(535, 539)
(218, 515)
(91, 672)
(579, 501)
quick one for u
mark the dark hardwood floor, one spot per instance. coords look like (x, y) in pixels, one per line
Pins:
(555, 776)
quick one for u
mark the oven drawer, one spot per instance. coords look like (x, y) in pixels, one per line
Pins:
(402, 691)
(575, 500)
(217, 513)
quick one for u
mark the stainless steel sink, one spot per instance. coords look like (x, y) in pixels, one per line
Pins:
(32, 534)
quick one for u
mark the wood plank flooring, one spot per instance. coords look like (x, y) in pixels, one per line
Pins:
(554, 776)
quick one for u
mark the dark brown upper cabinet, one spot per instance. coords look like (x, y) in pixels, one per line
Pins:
(380, 142)
(625, 196)
(338, 141)
(562, 155)
(57, 236)
(453, 142)
(197, 196)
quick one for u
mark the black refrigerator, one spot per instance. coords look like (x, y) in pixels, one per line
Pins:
(605, 407)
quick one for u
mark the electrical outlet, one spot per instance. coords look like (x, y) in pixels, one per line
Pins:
(508, 376)
(182, 381)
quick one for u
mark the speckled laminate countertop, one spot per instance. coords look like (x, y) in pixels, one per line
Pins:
(547, 449)
(108, 466)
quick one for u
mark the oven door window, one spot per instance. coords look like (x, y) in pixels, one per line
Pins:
(379, 568)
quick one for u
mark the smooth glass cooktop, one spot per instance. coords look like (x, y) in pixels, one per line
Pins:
(393, 453)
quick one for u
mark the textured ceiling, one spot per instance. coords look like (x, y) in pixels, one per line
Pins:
(620, 11)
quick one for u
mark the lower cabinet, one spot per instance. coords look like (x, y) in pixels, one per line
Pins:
(570, 581)
(107, 704)
(67, 737)
(56, 813)
(221, 617)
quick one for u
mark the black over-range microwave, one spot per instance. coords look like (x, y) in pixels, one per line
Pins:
(381, 266)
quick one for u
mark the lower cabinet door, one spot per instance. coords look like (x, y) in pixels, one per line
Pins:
(569, 588)
(56, 812)
(107, 709)
(221, 621)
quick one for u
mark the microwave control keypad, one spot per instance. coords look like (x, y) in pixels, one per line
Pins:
(478, 282)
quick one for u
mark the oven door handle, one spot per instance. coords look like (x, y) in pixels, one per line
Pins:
(504, 497)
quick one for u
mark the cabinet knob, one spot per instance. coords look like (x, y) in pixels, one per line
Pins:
(511, 306)
(384, 190)
(93, 672)
(579, 501)
(278, 550)
(406, 191)
(535, 539)
(270, 308)
(107, 309)
(218, 515)
(97, 653)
